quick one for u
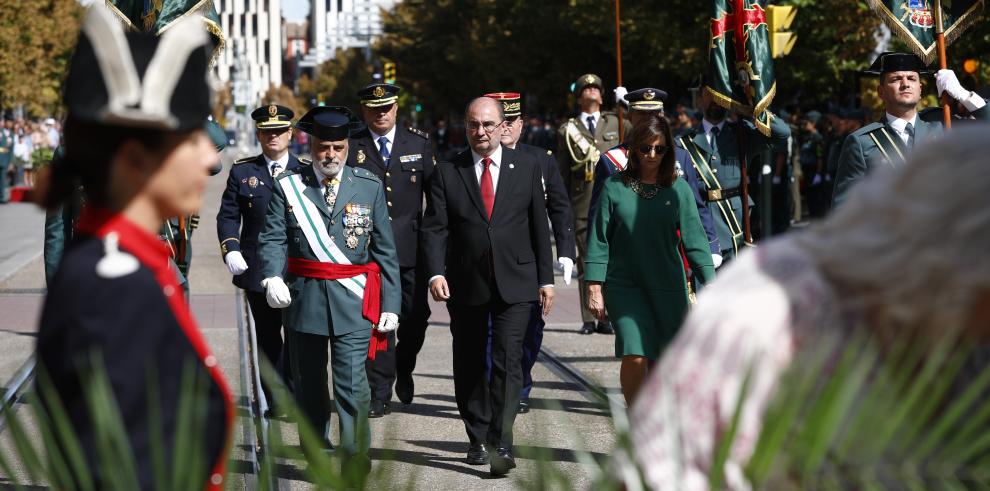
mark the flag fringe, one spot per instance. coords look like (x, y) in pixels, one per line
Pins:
(928, 55)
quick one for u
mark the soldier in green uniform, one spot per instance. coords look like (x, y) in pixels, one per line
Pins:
(6, 155)
(885, 143)
(714, 150)
(327, 231)
(581, 141)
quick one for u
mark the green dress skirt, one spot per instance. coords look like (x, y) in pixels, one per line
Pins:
(634, 249)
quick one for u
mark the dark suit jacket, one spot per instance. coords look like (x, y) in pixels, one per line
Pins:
(558, 204)
(405, 179)
(508, 255)
(242, 214)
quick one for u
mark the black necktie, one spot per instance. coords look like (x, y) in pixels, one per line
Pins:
(714, 140)
(591, 124)
(909, 129)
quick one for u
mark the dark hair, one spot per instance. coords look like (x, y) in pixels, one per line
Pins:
(89, 149)
(643, 134)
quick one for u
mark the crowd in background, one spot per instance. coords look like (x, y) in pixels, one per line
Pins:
(34, 141)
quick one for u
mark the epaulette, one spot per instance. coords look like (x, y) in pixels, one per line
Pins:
(870, 128)
(420, 133)
(245, 160)
(365, 173)
(289, 172)
(305, 161)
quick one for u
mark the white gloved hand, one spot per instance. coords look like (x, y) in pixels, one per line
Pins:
(947, 82)
(717, 260)
(276, 292)
(620, 94)
(235, 262)
(817, 180)
(567, 266)
(387, 322)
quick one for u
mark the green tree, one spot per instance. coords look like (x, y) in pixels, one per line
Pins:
(336, 81)
(36, 39)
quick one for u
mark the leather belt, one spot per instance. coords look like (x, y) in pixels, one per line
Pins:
(722, 194)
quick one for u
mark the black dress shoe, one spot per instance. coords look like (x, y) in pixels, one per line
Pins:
(502, 462)
(523, 407)
(604, 328)
(379, 409)
(477, 454)
(587, 328)
(404, 388)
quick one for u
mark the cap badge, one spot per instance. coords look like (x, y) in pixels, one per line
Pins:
(272, 110)
(649, 95)
(589, 79)
(378, 92)
(360, 156)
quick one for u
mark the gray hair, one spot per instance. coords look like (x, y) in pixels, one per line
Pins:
(909, 248)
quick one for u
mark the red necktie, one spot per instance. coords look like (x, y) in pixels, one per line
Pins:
(487, 189)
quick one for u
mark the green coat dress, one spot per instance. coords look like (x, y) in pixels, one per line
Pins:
(634, 250)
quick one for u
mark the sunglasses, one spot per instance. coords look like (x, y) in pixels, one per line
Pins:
(659, 149)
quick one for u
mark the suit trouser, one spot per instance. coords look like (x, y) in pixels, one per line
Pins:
(400, 358)
(488, 408)
(351, 397)
(268, 328)
(532, 343)
(580, 202)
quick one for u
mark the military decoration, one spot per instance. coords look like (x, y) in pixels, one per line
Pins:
(357, 222)
(252, 182)
(360, 156)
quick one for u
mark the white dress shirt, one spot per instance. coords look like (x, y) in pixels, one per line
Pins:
(597, 115)
(390, 136)
(900, 126)
(493, 169)
(283, 161)
(708, 129)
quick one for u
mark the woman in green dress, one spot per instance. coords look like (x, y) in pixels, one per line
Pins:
(646, 218)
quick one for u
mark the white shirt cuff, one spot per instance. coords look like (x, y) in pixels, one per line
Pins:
(974, 102)
(433, 278)
(546, 286)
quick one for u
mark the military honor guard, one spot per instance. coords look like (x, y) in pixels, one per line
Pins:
(243, 206)
(885, 143)
(714, 150)
(402, 158)
(488, 255)
(581, 141)
(644, 104)
(561, 221)
(135, 140)
(329, 261)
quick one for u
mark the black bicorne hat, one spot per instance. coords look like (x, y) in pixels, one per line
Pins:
(139, 80)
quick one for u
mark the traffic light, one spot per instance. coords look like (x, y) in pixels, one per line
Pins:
(779, 19)
(389, 72)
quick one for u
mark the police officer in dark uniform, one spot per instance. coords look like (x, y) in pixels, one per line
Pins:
(403, 159)
(242, 215)
(561, 220)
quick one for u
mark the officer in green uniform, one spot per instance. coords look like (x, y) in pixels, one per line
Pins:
(887, 142)
(327, 231)
(6, 154)
(581, 141)
(714, 149)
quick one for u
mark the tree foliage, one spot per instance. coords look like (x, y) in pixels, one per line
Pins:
(36, 40)
(337, 81)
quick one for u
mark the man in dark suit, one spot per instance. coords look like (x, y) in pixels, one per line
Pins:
(242, 216)
(488, 254)
(558, 208)
(402, 158)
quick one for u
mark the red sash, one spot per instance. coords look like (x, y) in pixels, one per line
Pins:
(372, 301)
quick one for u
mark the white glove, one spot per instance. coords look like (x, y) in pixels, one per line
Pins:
(235, 262)
(717, 260)
(567, 266)
(817, 180)
(620, 94)
(387, 322)
(276, 292)
(946, 81)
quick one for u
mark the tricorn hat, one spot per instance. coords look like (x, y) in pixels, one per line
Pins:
(328, 123)
(139, 80)
(892, 61)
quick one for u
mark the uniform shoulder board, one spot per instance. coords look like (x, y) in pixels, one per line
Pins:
(870, 128)
(244, 160)
(305, 161)
(420, 133)
(365, 173)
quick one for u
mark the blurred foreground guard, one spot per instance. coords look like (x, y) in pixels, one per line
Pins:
(873, 269)
(328, 227)
(134, 140)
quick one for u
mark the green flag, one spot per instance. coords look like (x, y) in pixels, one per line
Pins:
(740, 66)
(914, 21)
(157, 16)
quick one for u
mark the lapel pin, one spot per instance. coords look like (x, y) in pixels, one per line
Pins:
(512, 166)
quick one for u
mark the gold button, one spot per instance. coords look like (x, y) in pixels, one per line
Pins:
(389, 189)
(331, 237)
(388, 175)
(390, 219)
(390, 203)
(714, 171)
(331, 222)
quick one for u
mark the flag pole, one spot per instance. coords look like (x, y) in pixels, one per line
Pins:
(618, 67)
(943, 62)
